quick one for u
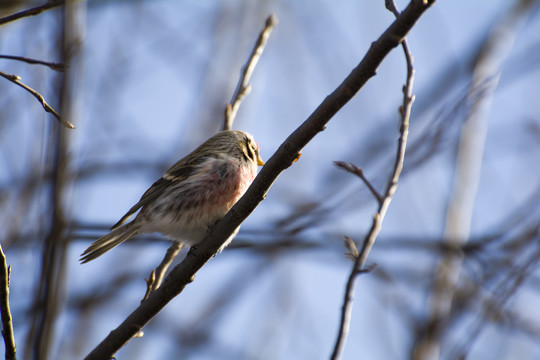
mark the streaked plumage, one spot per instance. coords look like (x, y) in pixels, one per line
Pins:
(192, 195)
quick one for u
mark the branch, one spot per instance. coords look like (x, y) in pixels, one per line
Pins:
(185, 272)
(360, 173)
(52, 65)
(156, 276)
(491, 311)
(468, 171)
(31, 12)
(243, 88)
(7, 324)
(384, 202)
(16, 80)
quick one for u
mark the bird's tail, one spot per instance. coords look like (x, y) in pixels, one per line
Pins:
(109, 241)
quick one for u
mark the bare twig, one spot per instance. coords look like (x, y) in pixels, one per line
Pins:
(243, 88)
(52, 65)
(7, 324)
(360, 173)
(185, 272)
(384, 202)
(31, 12)
(157, 275)
(17, 80)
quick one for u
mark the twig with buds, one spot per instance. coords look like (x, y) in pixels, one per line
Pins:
(17, 80)
(243, 88)
(384, 200)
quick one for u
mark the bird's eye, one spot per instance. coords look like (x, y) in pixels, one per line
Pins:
(250, 153)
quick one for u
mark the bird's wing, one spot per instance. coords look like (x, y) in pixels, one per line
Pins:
(178, 172)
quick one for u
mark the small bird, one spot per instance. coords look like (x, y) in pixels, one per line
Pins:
(194, 194)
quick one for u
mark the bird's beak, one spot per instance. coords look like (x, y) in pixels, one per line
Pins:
(260, 161)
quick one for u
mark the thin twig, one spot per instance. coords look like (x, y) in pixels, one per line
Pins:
(52, 65)
(405, 112)
(31, 12)
(156, 276)
(360, 173)
(16, 80)
(184, 273)
(7, 324)
(243, 88)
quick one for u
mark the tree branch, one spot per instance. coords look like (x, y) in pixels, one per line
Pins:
(17, 80)
(360, 173)
(185, 272)
(243, 88)
(157, 275)
(384, 202)
(467, 175)
(7, 324)
(31, 12)
(52, 65)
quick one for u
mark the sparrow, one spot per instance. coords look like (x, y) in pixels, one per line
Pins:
(192, 196)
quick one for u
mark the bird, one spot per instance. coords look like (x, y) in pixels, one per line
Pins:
(192, 196)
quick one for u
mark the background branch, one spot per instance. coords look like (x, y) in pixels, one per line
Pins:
(7, 324)
(468, 171)
(52, 65)
(31, 12)
(289, 150)
(49, 295)
(243, 88)
(353, 169)
(384, 201)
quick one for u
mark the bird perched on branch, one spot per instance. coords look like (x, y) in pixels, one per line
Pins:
(196, 192)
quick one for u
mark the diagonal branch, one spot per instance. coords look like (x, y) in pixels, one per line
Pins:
(384, 202)
(31, 12)
(353, 169)
(17, 80)
(185, 272)
(157, 275)
(243, 88)
(7, 324)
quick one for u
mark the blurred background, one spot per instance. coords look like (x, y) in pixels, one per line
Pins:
(147, 81)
